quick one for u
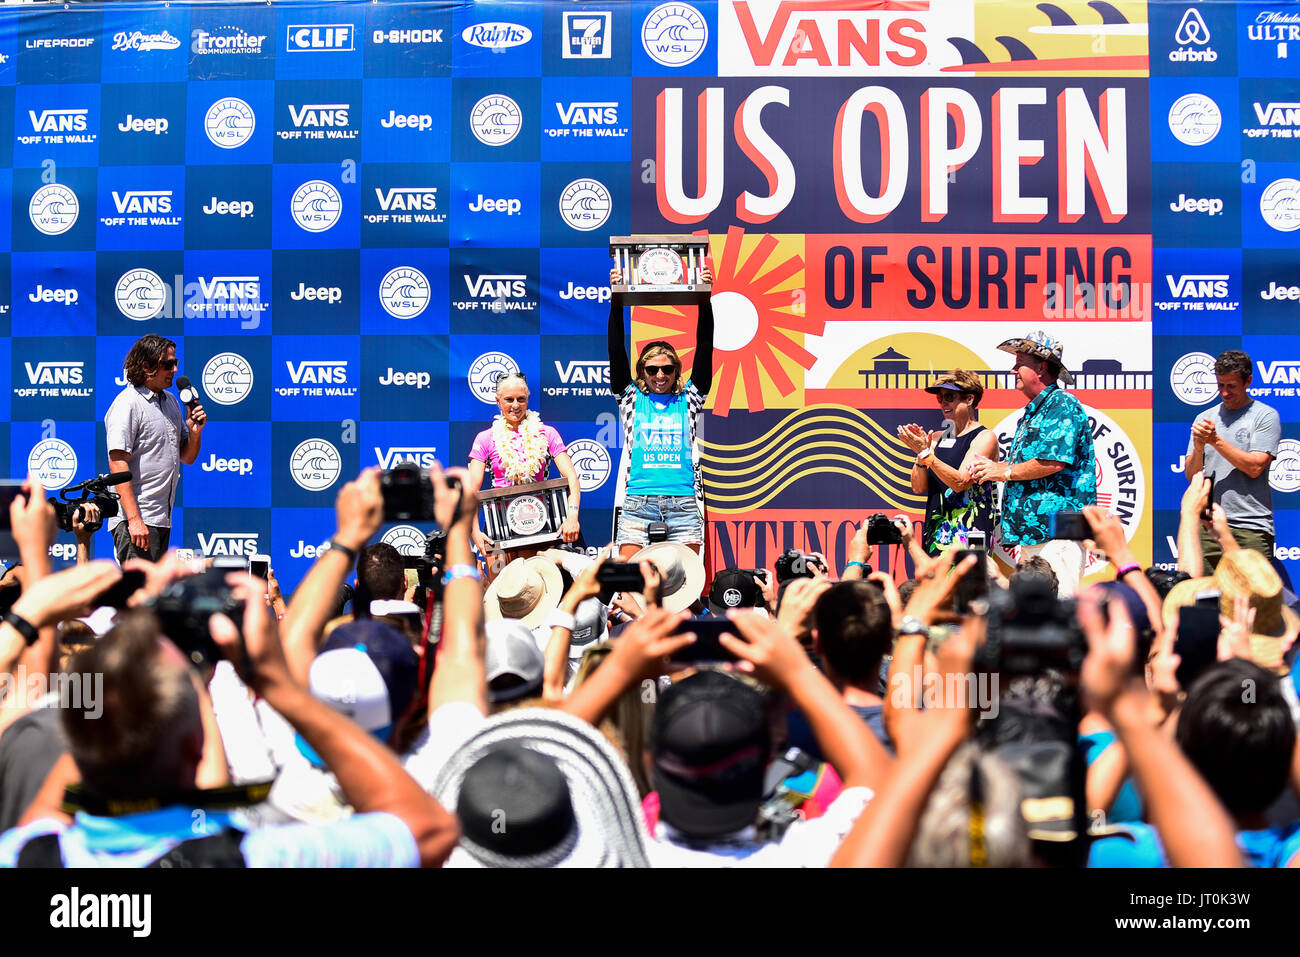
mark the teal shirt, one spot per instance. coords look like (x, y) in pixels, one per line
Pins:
(661, 446)
(1054, 428)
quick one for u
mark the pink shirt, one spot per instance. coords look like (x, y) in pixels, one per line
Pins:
(485, 450)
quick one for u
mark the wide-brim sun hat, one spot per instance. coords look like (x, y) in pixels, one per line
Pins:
(681, 573)
(1045, 347)
(527, 590)
(599, 825)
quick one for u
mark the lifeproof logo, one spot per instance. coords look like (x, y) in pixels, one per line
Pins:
(315, 464)
(1192, 379)
(585, 204)
(140, 294)
(137, 40)
(229, 123)
(1284, 473)
(53, 209)
(319, 38)
(496, 36)
(316, 206)
(587, 35)
(591, 461)
(1195, 119)
(674, 34)
(404, 292)
(1279, 205)
(60, 43)
(495, 120)
(53, 462)
(484, 372)
(227, 378)
(1192, 33)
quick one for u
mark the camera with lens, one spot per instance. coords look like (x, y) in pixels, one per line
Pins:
(184, 607)
(408, 493)
(795, 564)
(93, 491)
(881, 531)
(1030, 630)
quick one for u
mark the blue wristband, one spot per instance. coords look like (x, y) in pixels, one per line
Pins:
(851, 564)
(461, 571)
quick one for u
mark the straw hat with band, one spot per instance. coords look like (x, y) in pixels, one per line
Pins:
(527, 590)
(1248, 573)
(1042, 346)
(681, 573)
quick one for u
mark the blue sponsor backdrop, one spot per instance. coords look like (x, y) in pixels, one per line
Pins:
(351, 216)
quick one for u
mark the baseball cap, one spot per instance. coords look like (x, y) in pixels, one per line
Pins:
(513, 662)
(711, 745)
(368, 671)
(734, 588)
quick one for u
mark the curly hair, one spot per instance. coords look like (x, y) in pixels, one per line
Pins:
(968, 382)
(659, 348)
(1233, 360)
(144, 357)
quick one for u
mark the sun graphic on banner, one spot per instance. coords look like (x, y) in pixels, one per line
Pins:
(759, 324)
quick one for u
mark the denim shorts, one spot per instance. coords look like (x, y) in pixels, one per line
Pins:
(681, 513)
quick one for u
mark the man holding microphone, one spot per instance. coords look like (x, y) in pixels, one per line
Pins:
(149, 435)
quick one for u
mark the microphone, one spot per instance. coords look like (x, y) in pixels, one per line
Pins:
(186, 392)
(102, 481)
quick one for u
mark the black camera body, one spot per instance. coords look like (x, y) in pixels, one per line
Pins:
(795, 564)
(408, 493)
(881, 531)
(184, 607)
(1030, 630)
(92, 492)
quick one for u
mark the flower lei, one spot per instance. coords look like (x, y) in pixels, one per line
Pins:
(521, 463)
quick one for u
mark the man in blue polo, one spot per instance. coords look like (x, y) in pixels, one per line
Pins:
(1051, 466)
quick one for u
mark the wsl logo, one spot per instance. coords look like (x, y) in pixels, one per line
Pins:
(230, 123)
(404, 292)
(484, 372)
(53, 462)
(315, 464)
(1192, 379)
(1195, 119)
(1284, 473)
(140, 294)
(316, 206)
(1279, 205)
(591, 461)
(407, 539)
(1192, 32)
(227, 378)
(674, 34)
(53, 209)
(496, 120)
(586, 204)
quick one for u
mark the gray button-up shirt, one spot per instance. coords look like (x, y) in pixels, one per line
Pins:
(150, 427)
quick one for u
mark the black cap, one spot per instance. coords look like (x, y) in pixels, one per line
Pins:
(734, 588)
(711, 745)
(515, 802)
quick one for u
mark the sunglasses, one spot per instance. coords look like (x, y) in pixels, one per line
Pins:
(168, 364)
(659, 370)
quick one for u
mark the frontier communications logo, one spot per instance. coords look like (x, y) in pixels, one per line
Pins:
(53, 209)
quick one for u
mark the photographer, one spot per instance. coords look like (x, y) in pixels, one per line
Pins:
(87, 514)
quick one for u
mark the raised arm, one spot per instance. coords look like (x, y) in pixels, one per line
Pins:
(702, 367)
(460, 674)
(1191, 559)
(620, 370)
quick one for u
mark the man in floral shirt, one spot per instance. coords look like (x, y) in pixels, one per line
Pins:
(1051, 466)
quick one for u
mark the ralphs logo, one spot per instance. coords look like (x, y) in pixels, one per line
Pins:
(217, 544)
(422, 455)
(1192, 32)
(226, 40)
(824, 38)
(319, 38)
(496, 292)
(496, 36)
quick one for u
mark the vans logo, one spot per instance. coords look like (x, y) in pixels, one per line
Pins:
(55, 373)
(1281, 372)
(319, 114)
(59, 121)
(589, 112)
(497, 285)
(140, 201)
(1198, 286)
(422, 455)
(228, 543)
(1278, 114)
(406, 198)
(309, 371)
(584, 372)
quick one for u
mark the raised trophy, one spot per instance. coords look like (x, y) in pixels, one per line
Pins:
(660, 270)
(529, 514)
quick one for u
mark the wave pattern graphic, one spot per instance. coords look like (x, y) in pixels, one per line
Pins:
(817, 440)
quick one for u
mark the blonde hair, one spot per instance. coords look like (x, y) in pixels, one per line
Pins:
(505, 380)
(968, 382)
(659, 348)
